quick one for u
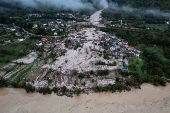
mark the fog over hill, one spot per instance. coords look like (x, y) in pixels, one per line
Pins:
(76, 5)
(138, 11)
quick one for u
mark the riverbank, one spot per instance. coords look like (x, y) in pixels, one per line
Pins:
(147, 99)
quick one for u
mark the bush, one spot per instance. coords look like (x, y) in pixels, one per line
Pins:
(75, 83)
(91, 72)
(100, 63)
(162, 82)
(107, 88)
(49, 81)
(29, 88)
(77, 91)
(112, 64)
(55, 90)
(74, 72)
(45, 90)
(102, 72)
(106, 56)
(64, 89)
(3, 82)
(77, 45)
(124, 73)
(81, 76)
(92, 80)
(99, 88)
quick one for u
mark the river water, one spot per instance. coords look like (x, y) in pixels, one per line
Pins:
(147, 99)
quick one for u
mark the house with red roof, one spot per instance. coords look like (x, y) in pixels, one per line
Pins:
(44, 39)
(58, 45)
(121, 53)
(46, 49)
(130, 48)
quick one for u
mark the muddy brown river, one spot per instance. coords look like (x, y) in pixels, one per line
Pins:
(148, 99)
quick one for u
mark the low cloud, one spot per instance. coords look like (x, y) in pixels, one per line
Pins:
(64, 4)
(139, 11)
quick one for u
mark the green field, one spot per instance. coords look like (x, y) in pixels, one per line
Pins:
(7, 34)
(16, 17)
(135, 66)
(155, 49)
(14, 51)
(158, 51)
(139, 47)
(24, 73)
(161, 27)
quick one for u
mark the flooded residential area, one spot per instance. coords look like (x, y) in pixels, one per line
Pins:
(148, 99)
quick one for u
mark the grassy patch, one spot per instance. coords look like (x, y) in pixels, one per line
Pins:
(87, 26)
(10, 70)
(140, 46)
(12, 78)
(16, 17)
(135, 66)
(161, 27)
(158, 51)
(2, 64)
(23, 73)
(36, 22)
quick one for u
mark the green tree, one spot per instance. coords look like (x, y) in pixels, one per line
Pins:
(81, 76)
(77, 91)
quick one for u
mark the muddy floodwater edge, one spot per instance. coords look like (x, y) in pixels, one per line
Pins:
(147, 99)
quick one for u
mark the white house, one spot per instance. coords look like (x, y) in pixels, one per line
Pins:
(52, 29)
(20, 39)
(112, 48)
(7, 41)
(121, 53)
(12, 29)
(35, 26)
(55, 33)
(136, 53)
(44, 24)
(167, 22)
(39, 43)
(17, 34)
